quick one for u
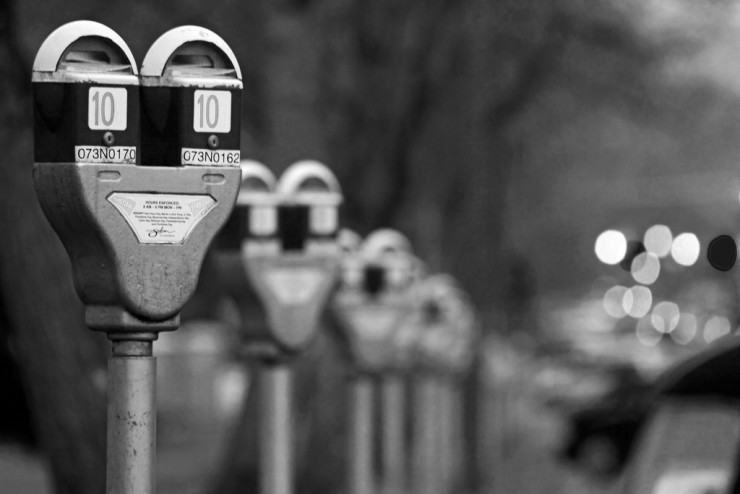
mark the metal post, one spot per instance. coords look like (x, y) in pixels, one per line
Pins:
(360, 454)
(276, 429)
(445, 435)
(394, 435)
(457, 449)
(425, 475)
(131, 418)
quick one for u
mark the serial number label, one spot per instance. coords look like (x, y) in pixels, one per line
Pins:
(102, 154)
(208, 157)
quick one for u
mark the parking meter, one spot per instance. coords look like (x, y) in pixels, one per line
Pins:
(136, 236)
(374, 299)
(294, 273)
(252, 226)
(443, 344)
(191, 88)
(286, 236)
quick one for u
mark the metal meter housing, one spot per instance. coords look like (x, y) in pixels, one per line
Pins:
(136, 236)
(85, 97)
(295, 272)
(375, 299)
(447, 329)
(191, 87)
(254, 222)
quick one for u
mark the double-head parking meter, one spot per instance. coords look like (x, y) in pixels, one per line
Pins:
(291, 257)
(136, 235)
(280, 247)
(375, 297)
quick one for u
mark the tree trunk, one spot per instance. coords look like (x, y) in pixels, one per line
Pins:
(62, 362)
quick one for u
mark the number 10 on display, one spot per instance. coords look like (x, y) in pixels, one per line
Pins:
(107, 108)
(212, 111)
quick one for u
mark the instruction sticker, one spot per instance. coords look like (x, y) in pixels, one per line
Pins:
(162, 218)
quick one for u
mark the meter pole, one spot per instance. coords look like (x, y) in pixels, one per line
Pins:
(394, 434)
(275, 442)
(131, 418)
(445, 434)
(360, 454)
(425, 460)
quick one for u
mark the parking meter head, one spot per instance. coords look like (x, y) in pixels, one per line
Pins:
(255, 215)
(85, 97)
(386, 241)
(308, 214)
(295, 279)
(191, 87)
(136, 236)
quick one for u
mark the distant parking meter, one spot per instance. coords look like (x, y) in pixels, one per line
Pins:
(252, 227)
(444, 345)
(295, 274)
(374, 299)
(286, 234)
(372, 303)
(191, 89)
(136, 236)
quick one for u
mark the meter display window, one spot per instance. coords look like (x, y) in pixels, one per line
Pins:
(689, 448)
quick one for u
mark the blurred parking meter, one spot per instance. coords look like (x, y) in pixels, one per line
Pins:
(374, 300)
(252, 224)
(136, 235)
(285, 233)
(444, 350)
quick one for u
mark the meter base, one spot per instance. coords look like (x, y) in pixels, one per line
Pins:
(121, 324)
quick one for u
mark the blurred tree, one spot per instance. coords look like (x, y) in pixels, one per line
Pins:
(61, 362)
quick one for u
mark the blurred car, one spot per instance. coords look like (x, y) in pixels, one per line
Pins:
(601, 434)
(691, 442)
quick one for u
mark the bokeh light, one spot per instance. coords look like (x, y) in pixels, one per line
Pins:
(613, 301)
(646, 333)
(716, 327)
(658, 240)
(685, 249)
(637, 301)
(611, 246)
(665, 316)
(686, 329)
(645, 268)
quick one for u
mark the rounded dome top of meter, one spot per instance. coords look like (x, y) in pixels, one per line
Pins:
(442, 286)
(349, 241)
(190, 51)
(84, 46)
(256, 178)
(385, 241)
(312, 179)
